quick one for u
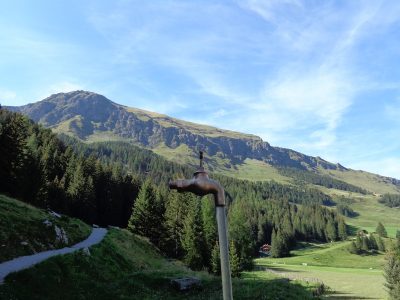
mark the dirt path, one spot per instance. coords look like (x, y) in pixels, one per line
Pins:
(24, 262)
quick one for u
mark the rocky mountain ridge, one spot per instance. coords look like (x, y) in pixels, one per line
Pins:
(83, 114)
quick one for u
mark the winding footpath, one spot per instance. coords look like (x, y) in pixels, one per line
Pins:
(24, 262)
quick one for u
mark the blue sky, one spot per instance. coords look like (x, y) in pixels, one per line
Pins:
(320, 77)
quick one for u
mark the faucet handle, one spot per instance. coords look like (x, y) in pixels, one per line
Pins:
(201, 159)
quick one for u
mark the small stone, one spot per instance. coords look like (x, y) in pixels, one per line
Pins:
(47, 223)
(86, 251)
(54, 214)
(186, 283)
(24, 243)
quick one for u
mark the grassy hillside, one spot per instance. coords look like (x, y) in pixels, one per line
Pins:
(195, 128)
(23, 230)
(349, 276)
(125, 266)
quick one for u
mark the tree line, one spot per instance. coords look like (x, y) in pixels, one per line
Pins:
(391, 200)
(304, 176)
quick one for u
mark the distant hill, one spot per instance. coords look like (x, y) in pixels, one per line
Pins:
(92, 117)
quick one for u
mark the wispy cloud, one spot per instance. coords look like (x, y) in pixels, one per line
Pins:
(297, 73)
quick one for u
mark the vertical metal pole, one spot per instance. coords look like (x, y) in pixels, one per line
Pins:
(224, 253)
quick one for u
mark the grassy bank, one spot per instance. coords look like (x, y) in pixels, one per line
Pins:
(25, 229)
(125, 266)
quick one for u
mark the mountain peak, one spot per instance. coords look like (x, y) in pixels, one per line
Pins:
(77, 97)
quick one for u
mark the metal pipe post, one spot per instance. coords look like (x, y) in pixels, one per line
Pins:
(224, 253)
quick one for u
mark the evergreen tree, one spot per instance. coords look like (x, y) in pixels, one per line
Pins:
(331, 233)
(353, 248)
(342, 231)
(359, 242)
(215, 260)
(380, 243)
(193, 238)
(177, 208)
(365, 244)
(234, 260)
(240, 230)
(372, 243)
(380, 230)
(275, 251)
(209, 225)
(147, 217)
(278, 245)
(392, 275)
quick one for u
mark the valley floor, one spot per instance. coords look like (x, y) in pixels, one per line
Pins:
(348, 276)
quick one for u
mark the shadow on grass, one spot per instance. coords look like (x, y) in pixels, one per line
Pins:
(273, 268)
(344, 296)
(77, 284)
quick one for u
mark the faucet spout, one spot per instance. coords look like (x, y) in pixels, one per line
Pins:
(200, 185)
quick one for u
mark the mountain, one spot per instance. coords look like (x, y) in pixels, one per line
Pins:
(92, 117)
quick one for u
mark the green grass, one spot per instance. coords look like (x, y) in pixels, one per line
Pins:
(257, 170)
(330, 255)
(195, 128)
(20, 222)
(371, 212)
(125, 266)
(348, 275)
(368, 181)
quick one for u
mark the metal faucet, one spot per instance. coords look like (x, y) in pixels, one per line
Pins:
(202, 185)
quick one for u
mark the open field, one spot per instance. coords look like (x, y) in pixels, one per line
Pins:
(371, 212)
(345, 283)
(349, 276)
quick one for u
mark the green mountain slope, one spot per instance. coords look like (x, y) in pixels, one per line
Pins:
(92, 117)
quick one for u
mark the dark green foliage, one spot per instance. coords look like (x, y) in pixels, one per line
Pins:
(367, 245)
(318, 179)
(372, 243)
(147, 214)
(234, 260)
(241, 231)
(279, 245)
(331, 230)
(342, 229)
(380, 243)
(353, 248)
(381, 230)
(177, 207)
(99, 183)
(193, 237)
(391, 200)
(13, 134)
(36, 167)
(215, 260)
(346, 210)
(392, 273)
(209, 226)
